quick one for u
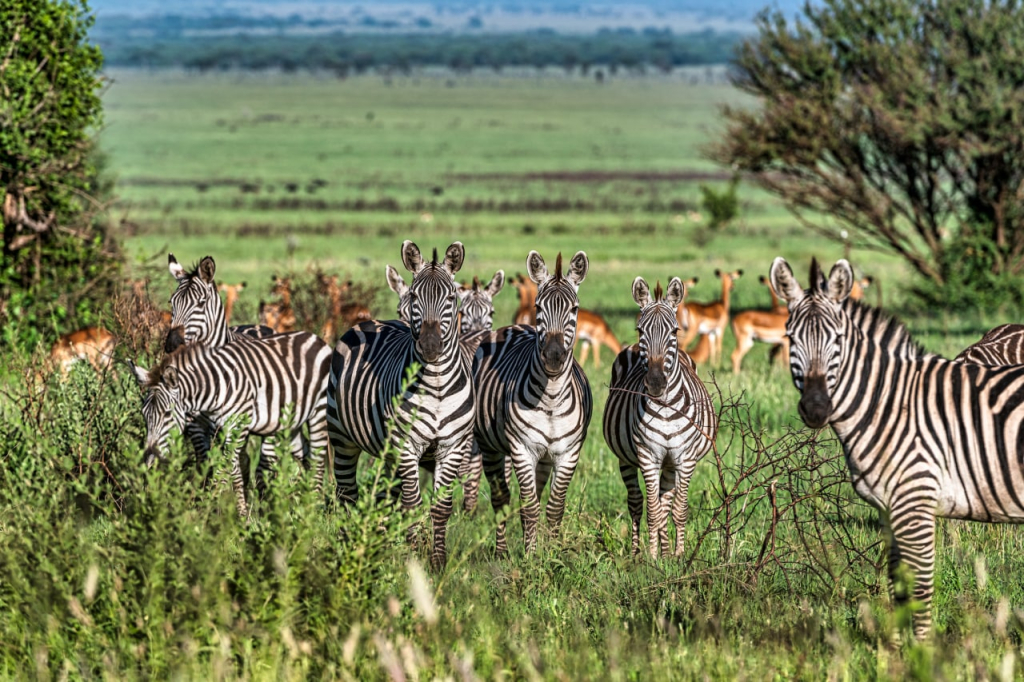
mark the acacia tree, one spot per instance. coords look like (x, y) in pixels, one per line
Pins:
(901, 120)
(54, 252)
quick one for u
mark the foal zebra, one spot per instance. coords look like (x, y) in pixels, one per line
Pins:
(1003, 345)
(432, 420)
(198, 317)
(923, 436)
(263, 381)
(534, 402)
(659, 418)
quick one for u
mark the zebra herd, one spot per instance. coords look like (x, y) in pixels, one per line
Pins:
(439, 389)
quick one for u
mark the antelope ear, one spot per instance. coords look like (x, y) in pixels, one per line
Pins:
(412, 259)
(578, 268)
(675, 293)
(395, 281)
(737, 274)
(784, 282)
(177, 272)
(454, 257)
(207, 268)
(535, 267)
(718, 273)
(141, 373)
(641, 292)
(496, 283)
(242, 286)
(840, 281)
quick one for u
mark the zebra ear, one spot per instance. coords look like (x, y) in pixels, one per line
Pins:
(840, 281)
(411, 256)
(675, 293)
(396, 282)
(784, 282)
(641, 292)
(454, 257)
(497, 282)
(141, 374)
(207, 268)
(578, 267)
(535, 267)
(170, 377)
(174, 266)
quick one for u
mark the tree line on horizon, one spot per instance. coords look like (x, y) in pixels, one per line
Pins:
(344, 54)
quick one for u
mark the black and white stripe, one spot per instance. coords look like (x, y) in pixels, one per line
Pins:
(923, 436)
(432, 421)
(1003, 345)
(197, 317)
(266, 384)
(659, 420)
(534, 402)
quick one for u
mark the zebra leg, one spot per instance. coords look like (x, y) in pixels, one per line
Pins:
(314, 452)
(655, 513)
(494, 469)
(529, 510)
(912, 549)
(559, 489)
(235, 447)
(634, 501)
(667, 492)
(681, 509)
(265, 466)
(471, 469)
(409, 483)
(445, 473)
(346, 462)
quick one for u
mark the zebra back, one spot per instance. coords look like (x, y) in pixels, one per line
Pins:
(1003, 345)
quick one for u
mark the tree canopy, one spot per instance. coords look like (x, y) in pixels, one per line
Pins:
(49, 109)
(901, 120)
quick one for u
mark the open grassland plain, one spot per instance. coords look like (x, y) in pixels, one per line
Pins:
(114, 570)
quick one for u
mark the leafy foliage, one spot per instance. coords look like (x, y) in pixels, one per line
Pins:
(56, 260)
(721, 207)
(901, 120)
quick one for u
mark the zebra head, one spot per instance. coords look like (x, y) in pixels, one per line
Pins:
(161, 408)
(658, 330)
(478, 303)
(196, 309)
(816, 327)
(557, 308)
(432, 300)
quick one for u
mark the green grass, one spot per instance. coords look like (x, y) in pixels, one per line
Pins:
(185, 589)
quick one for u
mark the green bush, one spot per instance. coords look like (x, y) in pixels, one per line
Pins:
(720, 207)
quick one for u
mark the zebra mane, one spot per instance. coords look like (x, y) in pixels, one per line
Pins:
(558, 266)
(658, 292)
(476, 283)
(433, 261)
(885, 330)
(156, 375)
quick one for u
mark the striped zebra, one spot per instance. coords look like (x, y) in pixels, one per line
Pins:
(659, 419)
(476, 315)
(923, 436)
(197, 312)
(534, 402)
(198, 317)
(274, 386)
(432, 420)
(1003, 345)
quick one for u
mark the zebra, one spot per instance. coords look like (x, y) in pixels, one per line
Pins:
(659, 418)
(198, 317)
(197, 313)
(274, 385)
(534, 401)
(923, 436)
(432, 420)
(1003, 345)
(476, 316)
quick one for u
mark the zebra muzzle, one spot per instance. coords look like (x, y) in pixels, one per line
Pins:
(429, 344)
(815, 405)
(175, 339)
(552, 353)
(655, 381)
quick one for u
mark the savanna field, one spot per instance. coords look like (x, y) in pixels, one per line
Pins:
(122, 572)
